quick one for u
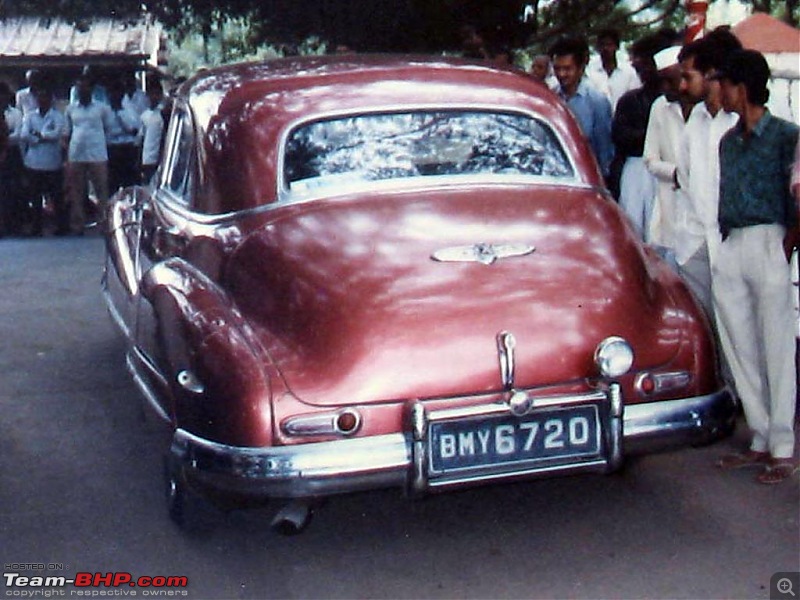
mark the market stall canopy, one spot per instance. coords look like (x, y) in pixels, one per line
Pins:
(40, 41)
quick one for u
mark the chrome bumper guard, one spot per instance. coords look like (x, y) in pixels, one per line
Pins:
(401, 459)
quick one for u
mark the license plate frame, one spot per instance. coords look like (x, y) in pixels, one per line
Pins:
(504, 443)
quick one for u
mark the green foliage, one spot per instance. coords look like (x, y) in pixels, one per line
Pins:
(228, 41)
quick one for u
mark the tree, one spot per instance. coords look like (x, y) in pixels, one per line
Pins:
(390, 25)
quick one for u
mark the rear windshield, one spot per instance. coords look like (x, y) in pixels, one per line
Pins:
(375, 147)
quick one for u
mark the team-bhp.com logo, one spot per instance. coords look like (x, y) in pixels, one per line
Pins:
(94, 584)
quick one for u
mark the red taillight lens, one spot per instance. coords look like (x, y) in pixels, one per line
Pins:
(647, 384)
(347, 422)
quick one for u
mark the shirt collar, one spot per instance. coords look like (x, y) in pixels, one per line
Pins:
(762, 123)
(758, 130)
(582, 90)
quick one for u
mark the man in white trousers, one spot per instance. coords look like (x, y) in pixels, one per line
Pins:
(752, 282)
(696, 229)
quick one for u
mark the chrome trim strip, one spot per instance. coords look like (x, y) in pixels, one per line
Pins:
(133, 361)
(598, 465)
(114, 313)
(502, 407)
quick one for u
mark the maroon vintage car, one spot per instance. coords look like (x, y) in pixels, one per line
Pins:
(358, 272)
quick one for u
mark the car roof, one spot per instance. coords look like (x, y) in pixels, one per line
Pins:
(233, 88)
(243, 112)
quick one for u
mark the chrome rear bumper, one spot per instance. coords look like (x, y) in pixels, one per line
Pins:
(397, 460)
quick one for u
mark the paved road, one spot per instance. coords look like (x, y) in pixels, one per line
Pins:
(80, 487)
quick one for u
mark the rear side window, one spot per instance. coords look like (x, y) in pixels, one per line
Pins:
(180, 148)
(375, 147)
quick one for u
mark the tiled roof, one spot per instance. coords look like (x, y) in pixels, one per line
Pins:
(767, 34)
(26, 39)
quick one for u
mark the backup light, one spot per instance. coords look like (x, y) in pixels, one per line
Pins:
(613, 357)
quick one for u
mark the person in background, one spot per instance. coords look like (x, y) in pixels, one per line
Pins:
(14, 208)
(42, 131)
(88, 123)
(472, 43)
(637, 188)
(752, 280)
(696, 230)
(98, 93)
(611, 74)
(135, 98)
(591, 108)
(542, 71)
(3, 154)
(123, 151)
(796, 176)
(25, 97)
(3, 140)
(151, 131)
(668, 116)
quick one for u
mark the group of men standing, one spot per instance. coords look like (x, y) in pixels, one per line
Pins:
(709, 177)
(108, 136)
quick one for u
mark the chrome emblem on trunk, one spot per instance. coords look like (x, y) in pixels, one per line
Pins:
(486, 254)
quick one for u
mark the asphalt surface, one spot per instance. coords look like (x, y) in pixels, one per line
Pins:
(81, 491)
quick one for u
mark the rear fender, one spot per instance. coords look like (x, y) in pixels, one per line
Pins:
(209, 356)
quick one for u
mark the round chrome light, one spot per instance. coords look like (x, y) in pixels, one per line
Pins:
(520, 403)
(613, 357)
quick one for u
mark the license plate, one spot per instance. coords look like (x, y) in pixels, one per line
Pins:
(504, 441)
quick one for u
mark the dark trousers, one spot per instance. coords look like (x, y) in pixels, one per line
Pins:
(123, 166)
(13, 193)
(147, 173)
(44, 185)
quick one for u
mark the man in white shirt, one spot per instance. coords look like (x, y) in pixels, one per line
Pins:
(42, 131)
(88, 122)
(663, 139)
(135, 98)
(611, 73)
(152, 131)
(25, 97)
(697, 228)
(123, 150)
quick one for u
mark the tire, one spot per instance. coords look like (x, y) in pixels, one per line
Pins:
(185, 507)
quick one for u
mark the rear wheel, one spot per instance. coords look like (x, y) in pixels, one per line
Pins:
(187, 509)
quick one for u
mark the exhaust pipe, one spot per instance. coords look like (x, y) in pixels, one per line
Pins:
(293, 518)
